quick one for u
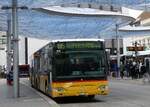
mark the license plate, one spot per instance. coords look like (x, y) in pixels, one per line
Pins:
(82, 93)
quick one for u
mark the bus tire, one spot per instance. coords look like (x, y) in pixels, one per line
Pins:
(31, 82)
(36, 84)
(46, 88)
(32, 86)
(91, 97)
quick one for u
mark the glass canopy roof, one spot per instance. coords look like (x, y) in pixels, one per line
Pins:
(54, 26)
(40, 3)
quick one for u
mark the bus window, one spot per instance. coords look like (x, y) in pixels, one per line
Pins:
(80, 64)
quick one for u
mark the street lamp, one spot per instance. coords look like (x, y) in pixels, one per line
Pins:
(118, 41)
(118, 50)
(15, 47)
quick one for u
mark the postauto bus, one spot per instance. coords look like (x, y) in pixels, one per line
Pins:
(74, 67)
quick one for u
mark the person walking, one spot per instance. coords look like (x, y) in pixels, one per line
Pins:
(122, 68)
(127, 68)
(145, 74)
(133, 70)
(140, 72)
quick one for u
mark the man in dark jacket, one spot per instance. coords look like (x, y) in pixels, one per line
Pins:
(145, 74)
(143, 69)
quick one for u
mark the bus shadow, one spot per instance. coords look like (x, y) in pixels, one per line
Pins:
(66, 100)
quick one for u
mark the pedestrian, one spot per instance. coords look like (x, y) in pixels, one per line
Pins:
(127, 68)
(122, 70)
(133, 70)
(145, 74)
(130, 69)
(136, 71)
(140, 72)
(146, 78)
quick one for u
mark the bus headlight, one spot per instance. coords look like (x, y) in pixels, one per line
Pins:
(103, 87)
(60, 89)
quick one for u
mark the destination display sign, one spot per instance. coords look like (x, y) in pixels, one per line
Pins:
(131, 48)
(79, 45)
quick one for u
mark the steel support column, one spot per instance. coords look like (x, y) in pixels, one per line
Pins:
(15, 47)
(118, 50)
(9, 46)
(26, 50)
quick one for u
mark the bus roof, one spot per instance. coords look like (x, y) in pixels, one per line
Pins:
(72, 40)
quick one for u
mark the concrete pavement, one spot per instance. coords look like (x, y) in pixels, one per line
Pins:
(29, 97)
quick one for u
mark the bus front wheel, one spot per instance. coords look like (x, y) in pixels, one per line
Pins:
(91, 96)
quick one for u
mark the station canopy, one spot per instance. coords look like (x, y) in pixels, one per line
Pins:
(41, 3)
(54, 25)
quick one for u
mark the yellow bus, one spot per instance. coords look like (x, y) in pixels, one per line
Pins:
(71, 67)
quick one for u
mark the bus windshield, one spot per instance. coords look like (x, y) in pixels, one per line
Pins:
(80, 64)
